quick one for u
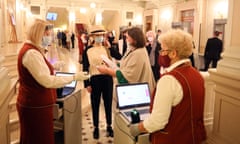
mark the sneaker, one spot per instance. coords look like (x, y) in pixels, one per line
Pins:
(109, 131)
(96, 133)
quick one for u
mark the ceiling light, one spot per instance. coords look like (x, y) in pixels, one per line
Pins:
(92, 5)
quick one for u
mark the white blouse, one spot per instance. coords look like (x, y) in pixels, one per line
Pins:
(169, 93)
(34, 62)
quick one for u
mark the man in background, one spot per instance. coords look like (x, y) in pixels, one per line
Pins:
(73, 39)
(213, 50)
(59, 37)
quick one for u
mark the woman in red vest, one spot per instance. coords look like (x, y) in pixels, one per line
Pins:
(37, 87)
(177, 106)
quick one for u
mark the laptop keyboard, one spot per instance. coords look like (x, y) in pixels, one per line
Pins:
(141, 111)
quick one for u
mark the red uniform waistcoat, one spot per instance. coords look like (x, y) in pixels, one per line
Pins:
(185, 124)
(34, 105)
(31, 93)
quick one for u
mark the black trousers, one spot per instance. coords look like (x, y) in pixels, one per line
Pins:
(156, 72)
(207, 62)
(102, 85)
(72, 43)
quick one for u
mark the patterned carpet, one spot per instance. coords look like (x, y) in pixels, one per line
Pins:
(87, 122)
(87, 128)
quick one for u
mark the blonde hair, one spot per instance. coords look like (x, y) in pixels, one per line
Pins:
(178, 40)
(36, 31)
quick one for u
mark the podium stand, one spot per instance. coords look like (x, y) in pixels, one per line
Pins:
(122, 134)
(67, 115)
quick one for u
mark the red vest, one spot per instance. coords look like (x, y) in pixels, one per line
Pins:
(185, 124)
(31, 93)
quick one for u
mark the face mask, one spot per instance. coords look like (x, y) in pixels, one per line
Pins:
(46, 40)
(150, 39)
(164, 60)
(83, 40)
(98, 39)
(129, 45)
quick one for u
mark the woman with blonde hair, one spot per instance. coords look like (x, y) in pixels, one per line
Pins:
(37, 87)
(177, 107)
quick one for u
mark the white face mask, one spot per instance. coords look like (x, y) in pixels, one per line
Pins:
(98, 39)
(129, 45)
(46, 40)
(83, 40)
(150, 39)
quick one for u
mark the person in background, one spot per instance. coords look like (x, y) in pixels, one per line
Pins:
(59, 37)
(73, 39)
(153, 47)
(68, 39)
(64, 39)
(135, 64)
(178, 104)
(99, 84)
(122, 43)
(158, 33)
(80, 46)
(84, 38)
(37, 87)
(213, 50)
(110, 37)
(191, 57)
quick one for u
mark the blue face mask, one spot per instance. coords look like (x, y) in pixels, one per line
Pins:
(46, 40)
(98, 39)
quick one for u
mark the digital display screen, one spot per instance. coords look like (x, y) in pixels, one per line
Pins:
(132, 95)
(51, 16)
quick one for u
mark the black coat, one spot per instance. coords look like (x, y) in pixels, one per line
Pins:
(213, 48)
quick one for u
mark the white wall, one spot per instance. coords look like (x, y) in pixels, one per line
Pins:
(166, 17)
(3, 23)
(1, 34)
(212, 7)
(114, 24)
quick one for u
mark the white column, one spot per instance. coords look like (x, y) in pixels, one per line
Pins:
(226, 127)
(72, 20)
(98, 17)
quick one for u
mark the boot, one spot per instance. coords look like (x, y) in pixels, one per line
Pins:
(96, 133)
(109, 131)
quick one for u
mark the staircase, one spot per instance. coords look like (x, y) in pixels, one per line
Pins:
(13, 121)
(10, 62)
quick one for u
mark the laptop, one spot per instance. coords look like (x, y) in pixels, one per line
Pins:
(68, 88)
(133, 96)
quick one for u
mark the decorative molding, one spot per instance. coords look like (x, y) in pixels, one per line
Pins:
(230, 64)
(226, 126)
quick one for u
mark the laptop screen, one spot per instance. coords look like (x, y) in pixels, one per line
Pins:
(132, 95)
(72, 84)
(68, 88)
